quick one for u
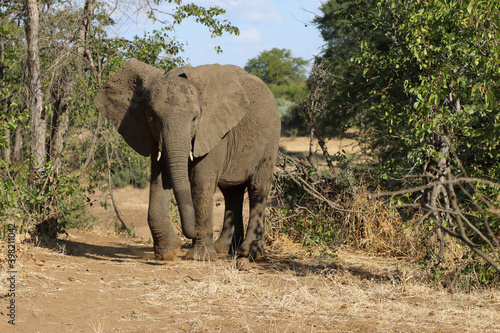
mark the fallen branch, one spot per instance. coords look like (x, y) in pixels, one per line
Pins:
(310, 189)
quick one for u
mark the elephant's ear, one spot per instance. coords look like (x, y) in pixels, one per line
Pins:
(223, 103)
(122, 100)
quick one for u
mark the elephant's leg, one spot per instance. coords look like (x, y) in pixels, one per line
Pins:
(203, 245)
(232, 233)
(166, 241)
(253, 245)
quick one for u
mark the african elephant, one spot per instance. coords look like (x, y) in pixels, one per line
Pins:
(204, 127)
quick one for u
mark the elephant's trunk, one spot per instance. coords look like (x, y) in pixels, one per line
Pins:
(177, 154)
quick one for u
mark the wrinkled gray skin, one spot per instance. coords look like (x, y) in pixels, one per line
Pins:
(215, 126)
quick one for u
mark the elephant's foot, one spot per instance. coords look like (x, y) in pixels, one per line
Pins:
(202, 252)
(254, 249)
(169, 251)
(222, 247)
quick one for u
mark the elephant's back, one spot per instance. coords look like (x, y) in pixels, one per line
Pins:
(262, 102)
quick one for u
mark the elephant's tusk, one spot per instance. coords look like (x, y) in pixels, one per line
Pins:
(159, 155)
(191, 155)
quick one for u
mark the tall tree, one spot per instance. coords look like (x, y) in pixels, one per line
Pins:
(283, 73)
(38, 123)
(347, 27)
(64, 82)
(431, 107)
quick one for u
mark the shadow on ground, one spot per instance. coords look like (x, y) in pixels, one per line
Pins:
(128, 250)
(117, 250)
(304, 268)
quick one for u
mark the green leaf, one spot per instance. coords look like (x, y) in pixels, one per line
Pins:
(469, 7)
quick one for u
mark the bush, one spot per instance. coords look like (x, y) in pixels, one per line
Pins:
(292, 120)
(45, 206)
(325, 209)
(55, 203)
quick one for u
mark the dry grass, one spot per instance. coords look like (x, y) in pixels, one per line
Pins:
(298, 300)
(373, 226)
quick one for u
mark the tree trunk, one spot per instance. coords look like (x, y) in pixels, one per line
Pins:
(18, 144)
(6, 150)
(90, 154)
(83, 33)
(64, 89)
(2, 57)
(85, 24)
(60, 125)
(37, 118)
(436, 171)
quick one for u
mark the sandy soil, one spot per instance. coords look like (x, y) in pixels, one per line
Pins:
(96, 281)
(300, 145)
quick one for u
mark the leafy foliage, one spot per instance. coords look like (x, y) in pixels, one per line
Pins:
(283, 73)
(422, 85)
(400, 70)
(346, 26)
(68, 203)
(452, 105)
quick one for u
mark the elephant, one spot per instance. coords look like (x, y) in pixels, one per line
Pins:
(203, 127)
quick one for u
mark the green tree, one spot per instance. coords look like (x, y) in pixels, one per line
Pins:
(284, 74)
(421, 80)
(445, 60)
(382, 55)
(347, 26)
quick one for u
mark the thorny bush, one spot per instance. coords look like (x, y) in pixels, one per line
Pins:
(325, 210)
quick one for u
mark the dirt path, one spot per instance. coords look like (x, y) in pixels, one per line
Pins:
(92, 282)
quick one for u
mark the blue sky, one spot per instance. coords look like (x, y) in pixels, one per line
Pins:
(263, 24)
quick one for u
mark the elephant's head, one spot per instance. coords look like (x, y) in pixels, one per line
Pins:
(184, 112)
